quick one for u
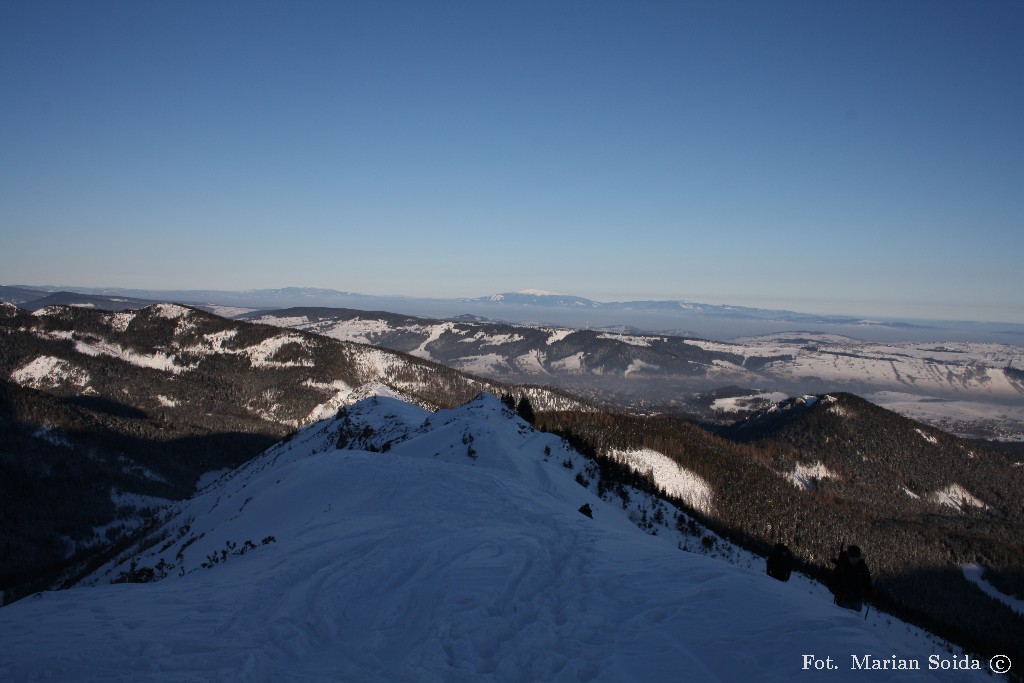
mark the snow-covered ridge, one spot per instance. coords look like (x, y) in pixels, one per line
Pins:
(260, 354)
(492, 339)
(168, 358)
(56, 311)
(170, 311)
(357, 330)
(631, 339)
(458, 554)
(737, 404)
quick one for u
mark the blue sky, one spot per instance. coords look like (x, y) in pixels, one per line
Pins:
(840, 157)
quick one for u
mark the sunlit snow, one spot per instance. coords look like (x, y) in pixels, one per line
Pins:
(670, 476)
(806, 477)
(47, 371)
(957, 497)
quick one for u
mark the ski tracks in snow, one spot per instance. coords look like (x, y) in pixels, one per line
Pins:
(527, 630)
(482, 576)
(489, 600)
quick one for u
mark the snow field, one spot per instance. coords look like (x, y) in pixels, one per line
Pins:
(532, 362)
(572, 364)
(674, 479)
(631, 339)
(957, 497)
(806, 477)
(491, 363)
(47, 371)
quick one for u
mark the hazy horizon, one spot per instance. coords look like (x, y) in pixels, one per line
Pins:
(717, 326)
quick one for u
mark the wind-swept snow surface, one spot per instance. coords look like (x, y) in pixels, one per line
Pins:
(455, 554)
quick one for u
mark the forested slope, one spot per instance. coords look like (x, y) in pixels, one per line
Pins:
(820, 472)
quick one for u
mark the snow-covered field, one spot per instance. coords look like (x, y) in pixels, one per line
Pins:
(457, 555)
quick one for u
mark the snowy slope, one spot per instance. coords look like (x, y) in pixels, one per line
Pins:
(456, 553)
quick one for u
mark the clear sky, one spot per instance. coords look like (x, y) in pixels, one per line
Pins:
(838, 157)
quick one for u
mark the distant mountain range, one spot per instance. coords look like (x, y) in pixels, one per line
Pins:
(548, 300)
(631, 365)
(684, 318)
(35, 298)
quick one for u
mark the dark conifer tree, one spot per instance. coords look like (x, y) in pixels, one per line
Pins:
(525, 410)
